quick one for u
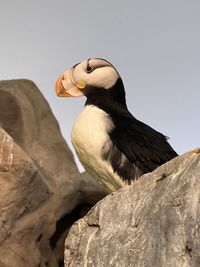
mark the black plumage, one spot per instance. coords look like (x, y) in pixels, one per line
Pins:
(144, 148)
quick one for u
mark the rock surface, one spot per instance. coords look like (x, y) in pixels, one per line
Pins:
(41, 192)
(26, 116)
(154, 222)
(22, 192)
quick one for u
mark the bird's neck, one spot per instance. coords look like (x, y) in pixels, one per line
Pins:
(108, 100)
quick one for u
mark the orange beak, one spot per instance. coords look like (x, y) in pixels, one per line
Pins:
(66, 86)
(60, 90)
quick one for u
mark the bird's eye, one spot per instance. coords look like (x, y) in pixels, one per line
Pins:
(89, 68)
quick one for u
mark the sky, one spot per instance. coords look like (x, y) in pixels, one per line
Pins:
(155, 46)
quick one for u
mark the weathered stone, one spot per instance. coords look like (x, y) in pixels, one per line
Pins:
(154, 222)
(40, 183)
(22, 192)
(26, 116)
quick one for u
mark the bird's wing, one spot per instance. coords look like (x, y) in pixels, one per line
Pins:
(142, 146)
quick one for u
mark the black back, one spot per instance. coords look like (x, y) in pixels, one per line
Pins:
(144, 148)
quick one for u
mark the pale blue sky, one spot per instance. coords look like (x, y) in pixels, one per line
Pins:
(155, 45)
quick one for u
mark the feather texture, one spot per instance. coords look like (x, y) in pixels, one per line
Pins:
(136, 148)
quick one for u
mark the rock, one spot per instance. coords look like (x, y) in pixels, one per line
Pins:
(42, 192)
(154, 222)
(26, 116)
(22, 192)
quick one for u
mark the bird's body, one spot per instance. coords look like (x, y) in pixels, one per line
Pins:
(110, 142)
(90, 138)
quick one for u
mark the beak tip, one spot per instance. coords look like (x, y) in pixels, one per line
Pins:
(58, 86)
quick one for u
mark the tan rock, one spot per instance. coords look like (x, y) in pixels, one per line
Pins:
(22, 192)
(41, 192)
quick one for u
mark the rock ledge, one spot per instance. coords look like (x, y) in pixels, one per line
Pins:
(154, 222)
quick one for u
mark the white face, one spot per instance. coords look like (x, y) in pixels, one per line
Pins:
(96, 72)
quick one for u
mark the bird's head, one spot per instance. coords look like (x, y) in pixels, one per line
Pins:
(92, 73)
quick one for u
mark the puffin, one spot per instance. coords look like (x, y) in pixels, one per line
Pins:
(113, 146)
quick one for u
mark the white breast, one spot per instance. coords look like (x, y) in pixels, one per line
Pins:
(89, 137)
(90, 131)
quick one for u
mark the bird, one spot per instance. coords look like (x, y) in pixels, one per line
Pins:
(113, 146)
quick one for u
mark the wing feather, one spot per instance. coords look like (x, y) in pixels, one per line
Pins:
(141, 144)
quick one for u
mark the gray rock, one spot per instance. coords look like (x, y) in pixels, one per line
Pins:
(40, 183)
(154, 222)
